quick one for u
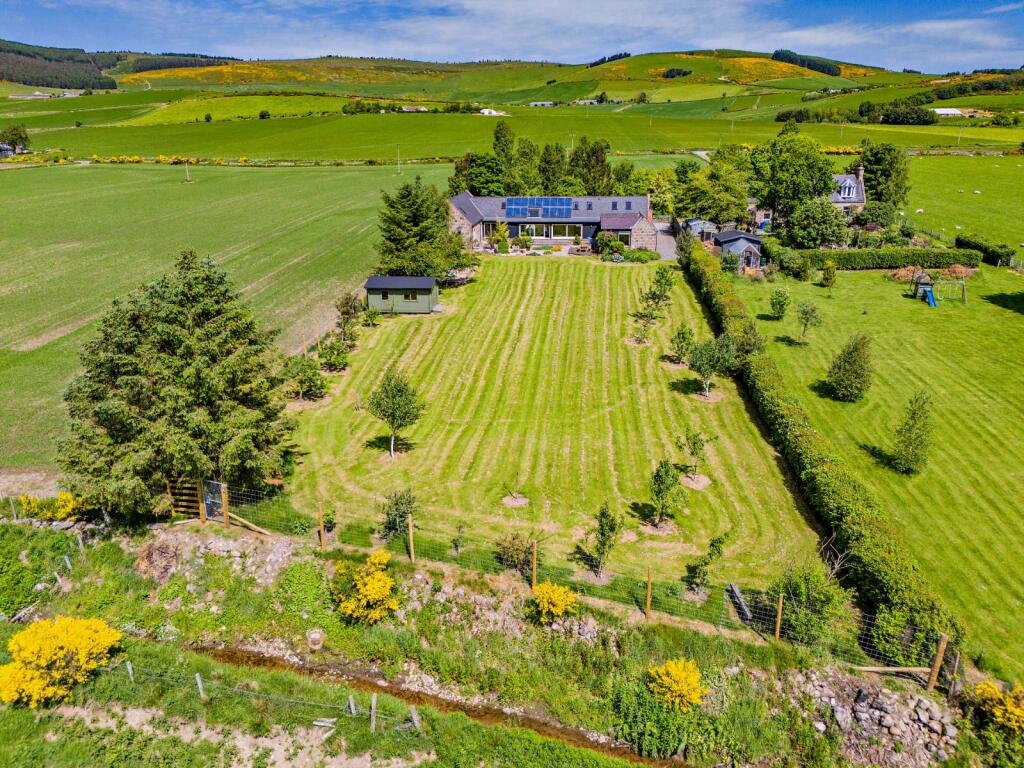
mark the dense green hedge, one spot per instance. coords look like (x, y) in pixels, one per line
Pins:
(890, 257)
(888, 581)
(996, 254)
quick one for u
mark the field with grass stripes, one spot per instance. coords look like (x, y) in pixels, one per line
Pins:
(532, 388)
(961, 517)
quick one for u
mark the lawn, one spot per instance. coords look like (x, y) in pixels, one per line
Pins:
(531, 386)
(291, 238)
(961, 516)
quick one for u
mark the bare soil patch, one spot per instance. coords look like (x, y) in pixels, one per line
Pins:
(713, 397)
(15, 481)
(697, 482)
(665, 529)
(515, 502)
(297, 406)
(591, 578)
(632, 342)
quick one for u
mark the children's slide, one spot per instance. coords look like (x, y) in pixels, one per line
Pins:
(929, 296)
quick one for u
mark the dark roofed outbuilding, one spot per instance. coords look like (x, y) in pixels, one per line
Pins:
(402, 294)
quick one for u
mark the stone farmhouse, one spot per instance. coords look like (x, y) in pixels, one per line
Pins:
(849, 196)
(555, 220)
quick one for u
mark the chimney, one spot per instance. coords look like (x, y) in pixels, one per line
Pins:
(860, 173)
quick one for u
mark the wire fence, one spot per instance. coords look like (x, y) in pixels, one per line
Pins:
(859, 640)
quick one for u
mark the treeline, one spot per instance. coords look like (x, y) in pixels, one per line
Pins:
(807, 62)
(905, 111)
(668, 74)
(1012, 82)
(361, 107)
(606, 59)
(52, 74)
(174, 61)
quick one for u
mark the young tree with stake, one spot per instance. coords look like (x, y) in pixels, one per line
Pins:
(780, 303)
(715, 356)
(828, 275)
(809, 318)
(681, 343)
(396, 403)
(666, 493)
(606, 536)
(914, 435)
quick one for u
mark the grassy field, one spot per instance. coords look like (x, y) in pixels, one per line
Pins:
(428, 135)
(943, 187)
(98, 109)
(531, 385)
(960, 516)
(291, 238)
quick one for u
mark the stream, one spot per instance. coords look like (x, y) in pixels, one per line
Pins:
(368, 682)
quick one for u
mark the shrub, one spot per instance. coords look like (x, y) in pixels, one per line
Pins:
(365, 594)
(913, 435)
(550, 602)
(996, 254)
(51, 657)
(677, 684)
(998, 720)
(65, 506)
(877, 212)
(304, 380)
(815, 605)
(780, 302)
(698, 573)
(653, 729)
(681, 343)
(395, 513)
(828, 275)
(849, 376)
(892, 257)
(334, 353)
(264, 114)
(371, 317)
(515, 551)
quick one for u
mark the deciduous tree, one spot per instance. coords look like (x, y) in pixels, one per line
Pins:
(809, 316)
(711, 358)
(849, 376)
(667, 495)
(780, 303)
(788, 170)
(606, 535)
(681, 343)
(396, 403)
(816, 222)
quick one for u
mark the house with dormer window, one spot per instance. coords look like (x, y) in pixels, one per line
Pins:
(849, 196)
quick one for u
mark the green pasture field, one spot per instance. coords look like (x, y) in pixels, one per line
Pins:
(97, 109)
(853, 100)
(531, 386)
(814, 83)
(241, 106)
(359, 137)
(291, 238)
(943, 187)
(997, 102)
(960, 517)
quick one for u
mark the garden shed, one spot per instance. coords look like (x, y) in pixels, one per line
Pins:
(402, 294)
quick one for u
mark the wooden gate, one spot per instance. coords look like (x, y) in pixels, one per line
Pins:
(184, 495)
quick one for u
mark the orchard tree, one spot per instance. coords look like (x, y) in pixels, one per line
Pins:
(788, 170)
(667, 495)
(780, 303)
(816, 222)
(350, 309)
(711, 358)
(606, 534)
(828, 275)
(886, 172)
(695, 444)
(681, 343)
(396, 403)
(849, 376)
(809, 316)
(914, 435)
(180, 380)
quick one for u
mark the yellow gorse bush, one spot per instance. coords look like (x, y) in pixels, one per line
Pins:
(551, 601)
(677, 684)
(65, 506)
(51, 657)
(370, 594)
(1005, 709)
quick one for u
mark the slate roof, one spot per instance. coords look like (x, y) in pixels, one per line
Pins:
(399, 283)
(858, 189)
(735, 234)
(619, 220)
(586, 209)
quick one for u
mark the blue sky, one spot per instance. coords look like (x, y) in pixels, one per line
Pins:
(932, 35)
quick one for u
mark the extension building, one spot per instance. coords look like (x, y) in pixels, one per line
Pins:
(402, 294)
(555, 220)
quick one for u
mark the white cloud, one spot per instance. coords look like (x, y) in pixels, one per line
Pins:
(1007, 8)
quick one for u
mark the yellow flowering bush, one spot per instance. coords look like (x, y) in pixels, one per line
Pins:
(366, 594)
(551, 601)
(677, 684)
(51, 657)
(1005, 710)
(65, 506)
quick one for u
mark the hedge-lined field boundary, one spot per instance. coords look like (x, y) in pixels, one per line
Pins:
(996, 254)
(893, 257)
(888, 581)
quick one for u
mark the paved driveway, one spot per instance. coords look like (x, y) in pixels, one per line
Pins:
(666, 242)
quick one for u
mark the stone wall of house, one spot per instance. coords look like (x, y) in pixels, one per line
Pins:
(459, 224)
(644, 235)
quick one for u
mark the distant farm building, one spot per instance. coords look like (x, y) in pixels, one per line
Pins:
(402, 294)
(417, 108)
(542, 103)
(555, 220)
(946, 111)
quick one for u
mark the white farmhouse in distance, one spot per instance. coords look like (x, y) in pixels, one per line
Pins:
(946, 111)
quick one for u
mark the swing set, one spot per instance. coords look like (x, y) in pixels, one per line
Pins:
(932, 291)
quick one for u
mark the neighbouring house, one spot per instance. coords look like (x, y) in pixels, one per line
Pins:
(849, 196)
(760, 218)
(745, 245)
(402, 294)
(587, 102)
(418, 108)
(554, 220)
(542, 103)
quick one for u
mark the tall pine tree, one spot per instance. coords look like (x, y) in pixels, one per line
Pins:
(179, 382)
(414, 233)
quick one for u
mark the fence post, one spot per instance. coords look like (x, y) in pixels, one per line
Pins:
(202, 502)
(778, 619)
(940, 653)
(647, 601)
(224, 503)
(14, 510)
(323, 533)
(373, 713)
(412, 542)
(199, 685)
(131, 671)
(533, 564)
(352, 705)
(415, 718)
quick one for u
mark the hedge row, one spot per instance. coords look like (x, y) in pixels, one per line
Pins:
(909, 614)
(996, 254)
(892, 257)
